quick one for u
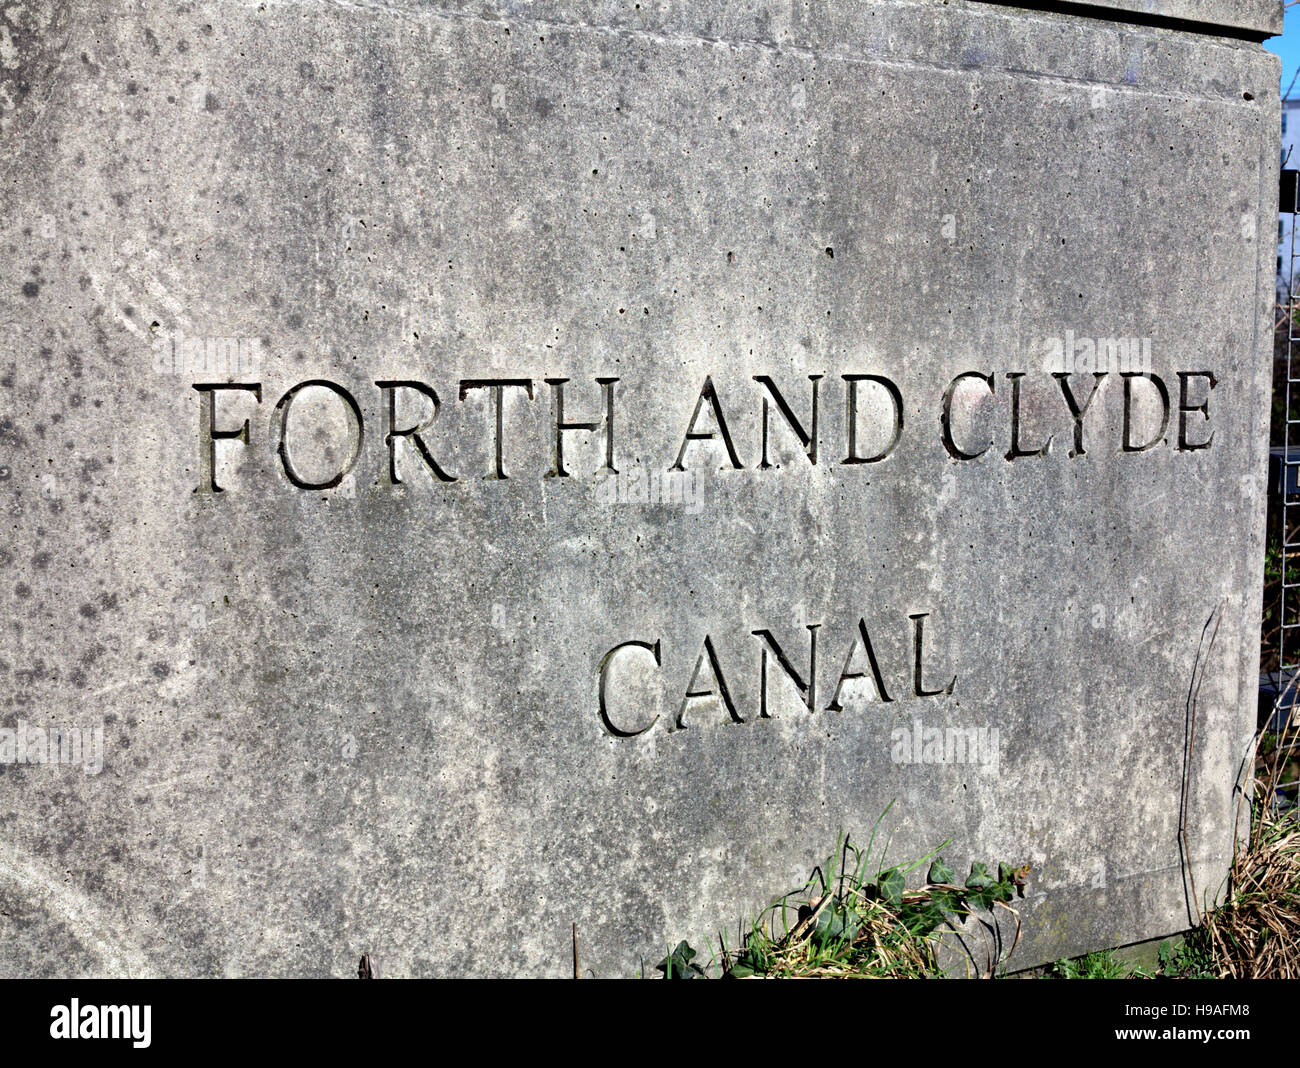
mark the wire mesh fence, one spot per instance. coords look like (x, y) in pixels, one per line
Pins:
(1279, 742)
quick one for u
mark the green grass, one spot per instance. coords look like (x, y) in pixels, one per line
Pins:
(855, 918)
(1191, 957)
(1102, 965)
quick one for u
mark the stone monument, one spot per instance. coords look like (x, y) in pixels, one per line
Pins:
(475, 467)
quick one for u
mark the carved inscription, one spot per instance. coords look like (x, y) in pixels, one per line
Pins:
(712, 435)
(707, 683)
(979, 417)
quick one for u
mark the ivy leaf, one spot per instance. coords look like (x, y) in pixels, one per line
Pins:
(678, 964)
(979, 877)
(927, 919)
(947, 902)
(755, 958)
(891, 885)
(941, 873)
(835, 924)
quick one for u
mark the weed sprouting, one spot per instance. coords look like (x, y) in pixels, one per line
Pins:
(855, 918)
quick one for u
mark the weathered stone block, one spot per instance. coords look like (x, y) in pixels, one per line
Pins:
(491, 466)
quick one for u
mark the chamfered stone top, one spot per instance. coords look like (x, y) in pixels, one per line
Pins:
(1261, 16)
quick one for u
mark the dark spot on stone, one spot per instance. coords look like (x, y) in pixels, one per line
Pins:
(306, 71)
(37, 671)
(210, 103)
(41, 560)
(159, 670)
(30, 289)
(22, 591)
(78, 678)
(88, 611)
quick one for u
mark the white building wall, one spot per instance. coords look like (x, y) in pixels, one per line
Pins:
(1287, 281)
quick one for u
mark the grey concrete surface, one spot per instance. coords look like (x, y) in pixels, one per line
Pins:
(400, 713)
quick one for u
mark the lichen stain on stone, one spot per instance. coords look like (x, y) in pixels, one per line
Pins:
(32, 36)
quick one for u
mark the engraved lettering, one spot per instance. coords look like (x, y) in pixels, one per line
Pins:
(498, 386)
(707, 393)
(693, 693)
(807, 689)
(411, 434)
(918, 689)
(807, 438)
(561, 426)
(209, 435)
(283, 406)
(945, 419)
(605, 664)
(1017, 450)
(896, 398)
(1063, 377)
(1159, 438)
(1184, 408)
(847, 676)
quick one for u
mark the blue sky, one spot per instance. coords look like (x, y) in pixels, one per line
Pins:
(1288, 47)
